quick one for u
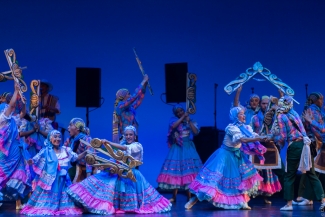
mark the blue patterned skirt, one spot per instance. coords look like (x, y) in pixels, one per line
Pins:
(227, 179)
(180, 167)
(52, 202)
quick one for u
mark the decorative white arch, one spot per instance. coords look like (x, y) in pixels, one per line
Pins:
(266, 73)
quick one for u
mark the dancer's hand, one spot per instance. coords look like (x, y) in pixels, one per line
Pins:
(105, 141)
(274, 107)
(269, 137)
(187, 116)
(30, 161)
(308, 116)
(145, 79)
(17, 87)
(36, 127)
(101, 167)
(262, 138)
(240, 88)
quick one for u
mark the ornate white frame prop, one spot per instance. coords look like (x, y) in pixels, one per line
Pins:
(266, 73)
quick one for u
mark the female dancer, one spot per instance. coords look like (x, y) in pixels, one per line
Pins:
(251, 107)
(183, 162)
(105, 193)
(51, 165)
(125, 108)
(228, 178)
(14, 172)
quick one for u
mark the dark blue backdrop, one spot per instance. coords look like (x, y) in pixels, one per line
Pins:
(218, 39)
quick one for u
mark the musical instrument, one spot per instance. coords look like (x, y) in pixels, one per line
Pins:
(16, 73)
(191, 93)
(123, 165)
(142, 70)
(266, 73)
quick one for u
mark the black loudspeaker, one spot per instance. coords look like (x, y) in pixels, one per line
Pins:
(175, 78)
(207, 141)
(88, 87)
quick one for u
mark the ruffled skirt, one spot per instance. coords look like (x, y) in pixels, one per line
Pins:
(52, 202)
(227, 179)
(180, 167)
(105, 193)
(270, 183)
(15, 178)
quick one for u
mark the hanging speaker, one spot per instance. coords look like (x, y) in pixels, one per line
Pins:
(175, 78)
(88, 87)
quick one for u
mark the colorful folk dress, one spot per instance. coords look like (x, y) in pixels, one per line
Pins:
(50, 197)
(228, 178)
(15, 181)
(105, 193)
(182, 162)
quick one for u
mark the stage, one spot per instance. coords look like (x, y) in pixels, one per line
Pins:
(205, 209)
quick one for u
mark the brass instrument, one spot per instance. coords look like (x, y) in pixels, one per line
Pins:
(191, 93)
(16, 73)
(123, 165)
(142, 70)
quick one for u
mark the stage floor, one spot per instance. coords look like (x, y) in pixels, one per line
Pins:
(205, 209)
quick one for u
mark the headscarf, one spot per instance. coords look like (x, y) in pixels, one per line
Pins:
(120, 96)
(5, 94)
(233, 115)
(47, 142)
(285, 104)
(265, 97)
(79, 124)
(131, 128)
(177, 107)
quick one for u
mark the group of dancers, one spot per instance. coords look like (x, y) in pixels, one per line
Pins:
(52, 177)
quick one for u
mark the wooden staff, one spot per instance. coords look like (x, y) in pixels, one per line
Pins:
(142, 70)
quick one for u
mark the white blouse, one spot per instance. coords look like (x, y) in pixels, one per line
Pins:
(233, 135)
(65, 156)
(135, 150)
